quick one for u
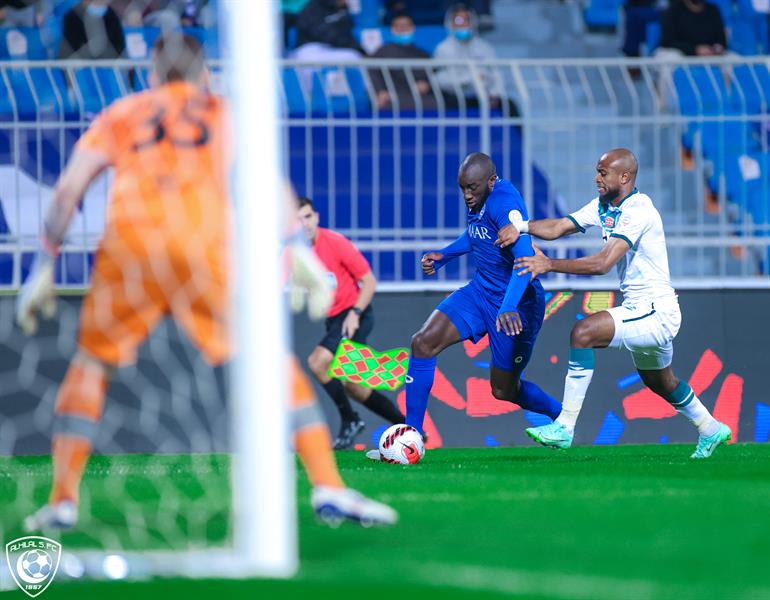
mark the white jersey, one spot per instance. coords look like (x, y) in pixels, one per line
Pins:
(643, 270)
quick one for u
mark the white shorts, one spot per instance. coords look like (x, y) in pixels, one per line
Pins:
(647, 330)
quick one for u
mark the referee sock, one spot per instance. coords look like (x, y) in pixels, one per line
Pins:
(380, 405)
(686, 403)
(532, 397)
(579, 374)
(419, 381)
(337, 393)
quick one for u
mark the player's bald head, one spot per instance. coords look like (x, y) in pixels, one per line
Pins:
(477, 164)
(476, 178)
(177, 56)
(616, 174)
(621, 160)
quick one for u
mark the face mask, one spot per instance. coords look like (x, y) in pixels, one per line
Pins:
(402, 39)
(96, 10)
(463, 35)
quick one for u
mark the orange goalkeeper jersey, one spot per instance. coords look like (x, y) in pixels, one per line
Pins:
(168, 149)
(165, 245)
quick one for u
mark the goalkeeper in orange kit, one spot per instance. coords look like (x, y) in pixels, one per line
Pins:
(164, 252)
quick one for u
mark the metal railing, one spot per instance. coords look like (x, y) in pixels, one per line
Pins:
(382, 166)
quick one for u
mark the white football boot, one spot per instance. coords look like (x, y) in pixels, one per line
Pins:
(335, 505)
(62, 515)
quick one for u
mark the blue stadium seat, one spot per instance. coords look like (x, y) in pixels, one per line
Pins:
(295, 100)
(53, 95)
(750, 90)
(339, 91)
(652, 36)
(702, 92)
(602, 13)
(369, 15)
(21, 43)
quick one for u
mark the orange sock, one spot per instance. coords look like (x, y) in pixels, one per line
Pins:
(311, 435)
(78, 411)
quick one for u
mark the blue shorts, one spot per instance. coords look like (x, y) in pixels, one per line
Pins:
(471, 311)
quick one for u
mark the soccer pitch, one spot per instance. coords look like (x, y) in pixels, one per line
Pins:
(588, 523)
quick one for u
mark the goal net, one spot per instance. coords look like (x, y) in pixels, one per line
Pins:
(190, 472)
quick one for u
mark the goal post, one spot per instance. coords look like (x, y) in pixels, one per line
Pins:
(268, 537)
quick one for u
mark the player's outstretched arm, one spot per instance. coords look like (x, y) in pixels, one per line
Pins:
(545, 229)
(433, 261)
(596, 264)
(508, 319)
(37, 293)
(83, 168)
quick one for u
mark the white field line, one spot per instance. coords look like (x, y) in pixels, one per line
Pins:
(548, 584)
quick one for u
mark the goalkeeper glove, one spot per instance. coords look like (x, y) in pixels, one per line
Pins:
(309, 283)
(37, 294)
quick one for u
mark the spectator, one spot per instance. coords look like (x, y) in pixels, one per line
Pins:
(694, 28)
(328, 24)
(638, 15)
(462, 43)
(401, 45)
(92, 30)
(165, 14)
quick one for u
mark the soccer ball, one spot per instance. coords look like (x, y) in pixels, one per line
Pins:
(37, 564)
(401, 444)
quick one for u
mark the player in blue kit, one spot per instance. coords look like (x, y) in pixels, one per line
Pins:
(496, 302)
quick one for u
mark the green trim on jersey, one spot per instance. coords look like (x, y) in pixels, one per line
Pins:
(580, 229)
(622, 237)
(634, 191)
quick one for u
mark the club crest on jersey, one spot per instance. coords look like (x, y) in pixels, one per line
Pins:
(479, 232)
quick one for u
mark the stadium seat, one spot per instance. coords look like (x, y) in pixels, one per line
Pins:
(701, 91)
(339, 91)
(21, 43)
(602, 14)
(652, 37)
(294, 99)
(750, 90)
(368, 14)
(52, 93)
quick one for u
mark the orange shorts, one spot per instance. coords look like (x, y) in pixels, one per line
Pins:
(138, 279)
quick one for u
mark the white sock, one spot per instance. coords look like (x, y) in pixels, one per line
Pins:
(699, 416)
(579, 374)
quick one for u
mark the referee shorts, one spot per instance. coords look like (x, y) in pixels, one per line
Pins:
(333, 336)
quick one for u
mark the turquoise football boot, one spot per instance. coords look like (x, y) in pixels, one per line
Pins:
(708, 443)
(553, 435)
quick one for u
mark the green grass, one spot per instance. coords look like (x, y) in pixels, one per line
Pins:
(588, 523)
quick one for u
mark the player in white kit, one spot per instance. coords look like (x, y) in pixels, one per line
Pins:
(649, 318)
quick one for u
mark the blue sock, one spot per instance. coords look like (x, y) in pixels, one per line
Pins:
(419, 380)
(532, 397)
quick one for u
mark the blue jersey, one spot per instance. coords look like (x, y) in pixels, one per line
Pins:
(494, 266)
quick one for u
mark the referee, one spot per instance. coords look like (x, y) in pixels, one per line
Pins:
(351, 317)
